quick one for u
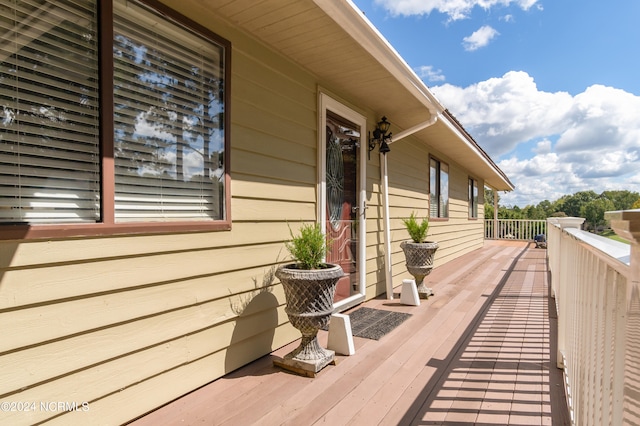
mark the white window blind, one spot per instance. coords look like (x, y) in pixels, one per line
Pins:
(169, 133)
(49, 145)
(434, 187)
(443, 200)
(438, 189)
(473, 198)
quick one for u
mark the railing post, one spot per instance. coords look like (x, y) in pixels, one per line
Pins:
(627, 225)
(553, 250)
(562, 277)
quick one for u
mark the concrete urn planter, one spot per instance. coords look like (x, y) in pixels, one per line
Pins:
(309, 294)
(419, 258)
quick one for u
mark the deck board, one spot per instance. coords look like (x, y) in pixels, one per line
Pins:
(479, 351)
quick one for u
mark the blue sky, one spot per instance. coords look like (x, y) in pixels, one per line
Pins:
(549, 88)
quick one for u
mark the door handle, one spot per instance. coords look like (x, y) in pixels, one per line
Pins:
(355, 209)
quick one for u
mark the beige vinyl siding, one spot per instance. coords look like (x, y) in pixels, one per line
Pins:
(408, 165)
(375, 277)
(130, 323)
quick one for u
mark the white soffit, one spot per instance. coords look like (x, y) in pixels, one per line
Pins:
(333, 40)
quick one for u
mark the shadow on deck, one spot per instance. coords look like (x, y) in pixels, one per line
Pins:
(480, 352)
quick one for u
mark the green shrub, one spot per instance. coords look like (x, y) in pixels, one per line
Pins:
(417, 231)
(309, 247)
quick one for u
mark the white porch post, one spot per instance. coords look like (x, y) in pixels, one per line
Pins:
(384, 179)
(387, 225)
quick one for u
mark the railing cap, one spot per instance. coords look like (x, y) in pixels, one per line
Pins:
(567, 222)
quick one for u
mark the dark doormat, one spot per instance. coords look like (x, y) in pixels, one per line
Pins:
(374, 323)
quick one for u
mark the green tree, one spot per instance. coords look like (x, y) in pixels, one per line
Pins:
(510, 213)
(538, 212)
(593, 211)
(547, 208)
(571, 204)
(517, 213)
(585, 204)
(622, 200)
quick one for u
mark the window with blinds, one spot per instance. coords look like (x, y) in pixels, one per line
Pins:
(473, 198)
(169, 137)
(49, 144)
(439, 189)
(167, 133)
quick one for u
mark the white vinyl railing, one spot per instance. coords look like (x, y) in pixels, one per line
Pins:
(596, 285)
(513, 229)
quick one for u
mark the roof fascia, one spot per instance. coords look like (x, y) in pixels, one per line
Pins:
(462, 134)
(346, 14)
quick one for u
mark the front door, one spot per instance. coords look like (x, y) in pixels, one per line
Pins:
(342, 209)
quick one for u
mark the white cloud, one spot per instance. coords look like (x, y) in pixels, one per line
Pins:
(479, 38)
(608, 119)
(551, 144)
(551, 182)
(455, 9)
(193, 164)
(543, 147)
(428, 73)
(508, 110)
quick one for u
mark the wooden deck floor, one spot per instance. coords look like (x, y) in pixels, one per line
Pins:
(479, 352)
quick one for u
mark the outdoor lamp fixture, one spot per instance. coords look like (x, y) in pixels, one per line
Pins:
(380, 137)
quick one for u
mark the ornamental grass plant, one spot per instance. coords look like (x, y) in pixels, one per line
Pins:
(417, 231)
(309, 247)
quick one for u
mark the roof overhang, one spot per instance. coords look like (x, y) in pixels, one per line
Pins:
(334, 41)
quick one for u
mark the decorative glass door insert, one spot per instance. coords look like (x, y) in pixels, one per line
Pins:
(342, 171)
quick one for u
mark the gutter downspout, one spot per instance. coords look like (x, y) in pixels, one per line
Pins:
(384, 179)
